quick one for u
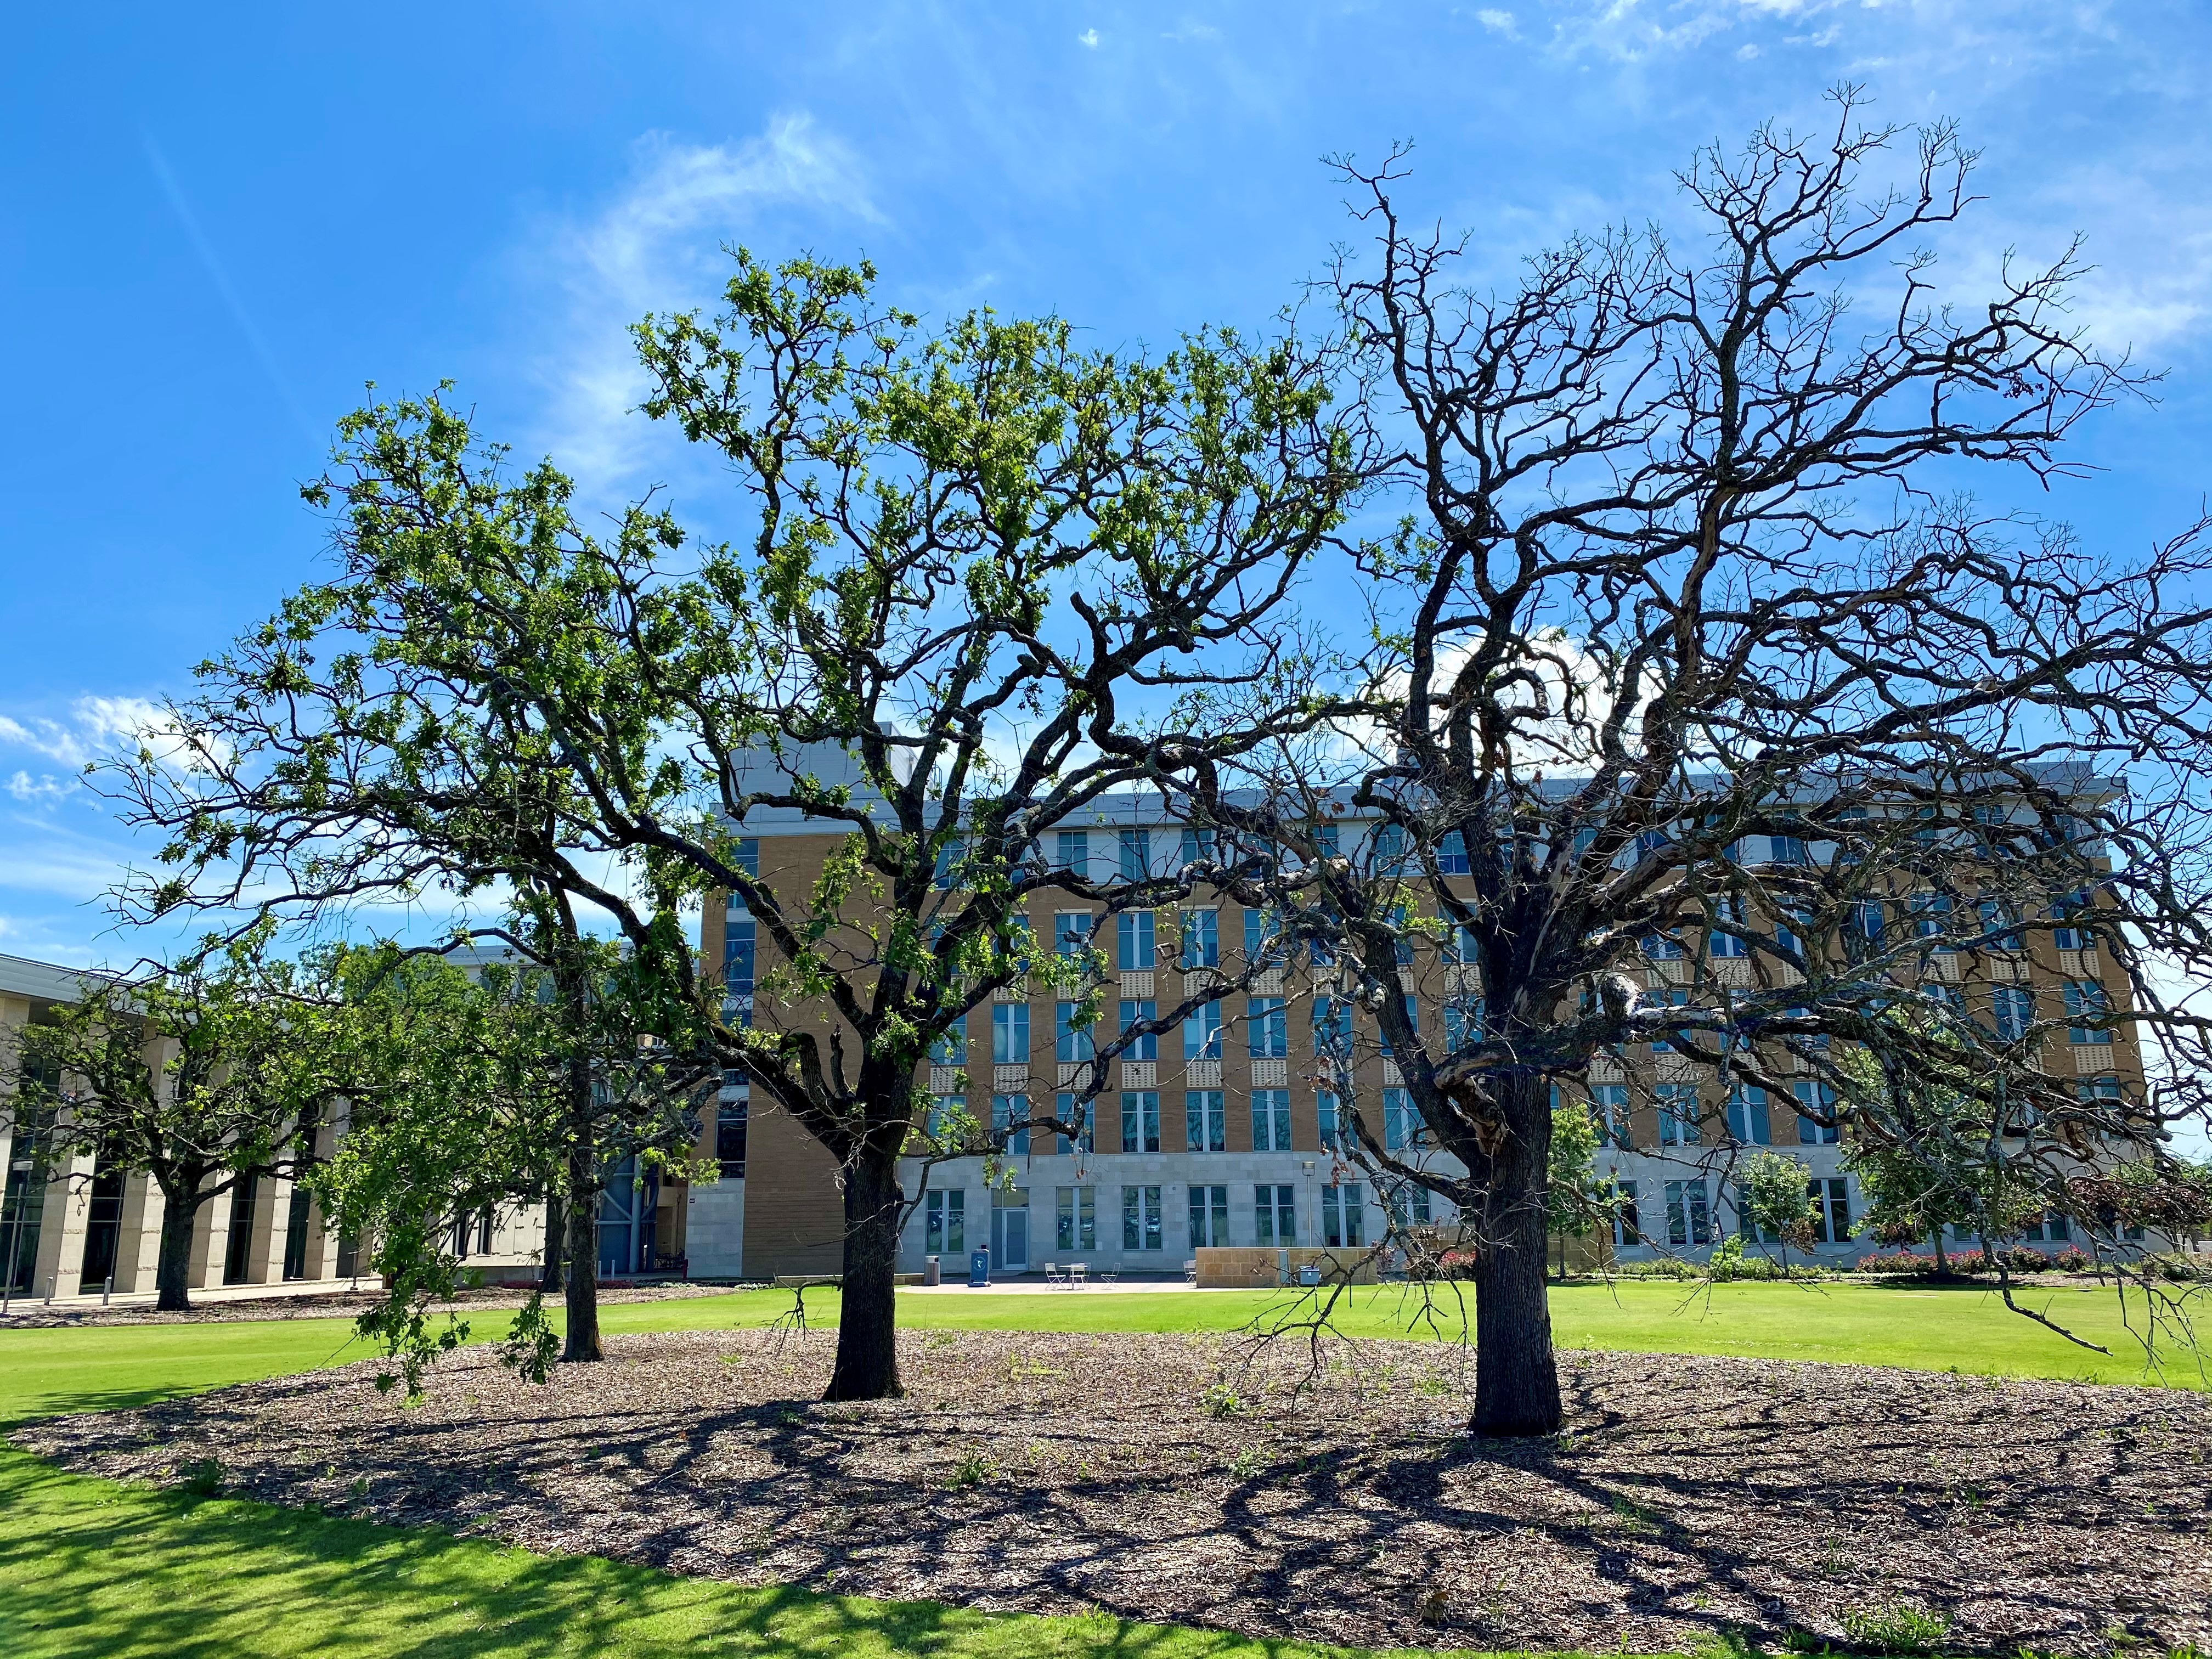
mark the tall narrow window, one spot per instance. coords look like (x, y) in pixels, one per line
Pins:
(1010, 1034)
(1140, 1218)
(1931, 921)
(2071, 911)
(1627, 1225)
(730, 1128)
(1202, 940)
(1077, 1222)
(1678, 1114)
(1140, 1120)
(1202, 1032)
(1071, 933)
(1071, 1042)
(1689, 1217)
(1451, 854)
(1401, 1124)
(1263, 933)
(1747, 1117)
(1271, 1120)
(1331, 1030)
(1275, 1215)
(1197, 847)
(1209, 1218)
(1267, 1028)
(1206, 1120)
(1832, 1203)
(952, 854)
(1065, 1108)
(945, 1223)
(1335, 1132)
(1343, 1215)
(1136, 855)
(1724, 939)
(2012, 1007)
(1146, 1045)
(1134, 948)
(1815, 1102)
(1006, 1112)
(2000, 923)
(2087, 1006)
(1072, 851)
(1610, 1102)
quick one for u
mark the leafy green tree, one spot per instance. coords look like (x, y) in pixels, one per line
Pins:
(1941, 1163)
(201, 1076)
(991, 577)
(468, 1104)
(1575, 1198)
(1773, 1188)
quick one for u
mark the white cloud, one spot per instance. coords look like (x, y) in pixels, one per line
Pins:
(45, 787)
(1088, 38)
(657, 247)
(95, 726)
(1498, 22)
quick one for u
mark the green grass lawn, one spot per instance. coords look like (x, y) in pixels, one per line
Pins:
(88, 1567)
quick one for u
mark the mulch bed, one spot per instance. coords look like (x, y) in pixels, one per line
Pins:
(29, 1315)
(1057, 1473)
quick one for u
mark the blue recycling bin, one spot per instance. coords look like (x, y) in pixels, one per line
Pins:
(979, 1269)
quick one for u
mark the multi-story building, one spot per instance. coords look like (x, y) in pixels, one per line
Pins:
(74, 1225)
(1226, 1132)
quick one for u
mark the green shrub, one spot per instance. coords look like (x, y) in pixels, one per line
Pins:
(1665, 1267)
(1221, 1400)
(973, 1469)
(1900, 1628)
(203, 1478)
(2174, 1267)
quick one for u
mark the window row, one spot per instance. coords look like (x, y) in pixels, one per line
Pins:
(1267, 1216)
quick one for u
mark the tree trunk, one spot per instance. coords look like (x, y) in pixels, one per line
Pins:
(867, 1335)
(1517, 1378)
(1942, 1266)
(550, 1280)
(581, 1203)
(172, 1269)
(581, 1292)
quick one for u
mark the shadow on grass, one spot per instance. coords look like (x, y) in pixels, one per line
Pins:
(90, 1567)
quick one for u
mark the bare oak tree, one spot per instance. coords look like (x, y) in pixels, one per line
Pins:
(1710, 715)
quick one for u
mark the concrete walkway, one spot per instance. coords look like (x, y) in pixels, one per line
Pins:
(209, 1296)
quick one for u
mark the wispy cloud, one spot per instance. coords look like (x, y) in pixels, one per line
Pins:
(95, 726)
(256, 341)
(1498, 22)
(1089, 38)
(655, 247)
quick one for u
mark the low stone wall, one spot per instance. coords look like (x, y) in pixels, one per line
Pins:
(1256, 1267)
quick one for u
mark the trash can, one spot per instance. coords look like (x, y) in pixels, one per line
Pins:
(979, 1269)
(930, 1272)
(1309, 1274)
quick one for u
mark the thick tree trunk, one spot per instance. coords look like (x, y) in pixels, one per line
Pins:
(1516, 1377)
(550, 1280)
(172, 1269)
(1942, 1266)
(581, 1202)
(867, 1333)
(581, 1294)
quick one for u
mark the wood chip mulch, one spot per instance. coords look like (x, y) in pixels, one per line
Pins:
(1056, 1473)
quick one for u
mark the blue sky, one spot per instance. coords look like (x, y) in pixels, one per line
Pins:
(215, 226)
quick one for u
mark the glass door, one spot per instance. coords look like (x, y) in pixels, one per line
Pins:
(1010, 1231)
